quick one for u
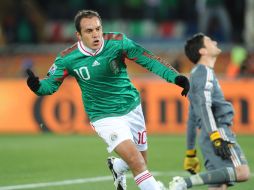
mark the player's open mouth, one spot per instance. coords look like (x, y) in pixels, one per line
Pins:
(96, 42)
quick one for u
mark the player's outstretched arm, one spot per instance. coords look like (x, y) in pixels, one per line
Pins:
(155, 64)
(33, 81)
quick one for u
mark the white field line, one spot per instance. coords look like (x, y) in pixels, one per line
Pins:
(78, 181)
(84, 180)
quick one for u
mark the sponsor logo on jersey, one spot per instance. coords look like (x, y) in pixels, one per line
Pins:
(95, 63)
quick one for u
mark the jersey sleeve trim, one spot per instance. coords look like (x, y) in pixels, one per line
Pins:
(168, 65)
(112, 36)
(69, 50)
(65, 74)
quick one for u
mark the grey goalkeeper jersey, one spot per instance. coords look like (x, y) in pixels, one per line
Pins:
(208, 109)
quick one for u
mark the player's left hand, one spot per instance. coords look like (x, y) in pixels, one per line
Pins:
(183, 82)
(191, 162)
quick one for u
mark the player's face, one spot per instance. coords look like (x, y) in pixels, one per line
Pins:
(91, 32)
(211, 46)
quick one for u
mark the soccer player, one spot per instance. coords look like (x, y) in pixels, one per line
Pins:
(110, 99)
(224, 159)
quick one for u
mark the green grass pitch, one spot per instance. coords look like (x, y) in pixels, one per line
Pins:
(78, 162)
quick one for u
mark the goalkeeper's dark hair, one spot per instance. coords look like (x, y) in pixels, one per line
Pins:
(84, 14)
(192, 47)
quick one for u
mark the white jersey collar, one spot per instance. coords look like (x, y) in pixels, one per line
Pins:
(87, 51)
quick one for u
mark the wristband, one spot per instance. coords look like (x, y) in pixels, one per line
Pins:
(191, 153)
(215, 135)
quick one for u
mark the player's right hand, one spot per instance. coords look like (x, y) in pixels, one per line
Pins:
(33, 81)
(191, 162)
(221, 147)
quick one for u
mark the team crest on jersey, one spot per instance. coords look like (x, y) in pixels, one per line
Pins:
(114, 67)
(113, 136)
(52, 69)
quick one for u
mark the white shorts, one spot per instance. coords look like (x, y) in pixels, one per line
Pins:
(114, 130)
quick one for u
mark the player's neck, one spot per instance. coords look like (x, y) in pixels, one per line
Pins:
(87, 51)
(208, 61)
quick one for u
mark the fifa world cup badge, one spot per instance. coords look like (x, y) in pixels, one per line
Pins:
(52, 69)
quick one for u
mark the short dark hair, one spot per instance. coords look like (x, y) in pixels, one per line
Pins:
(192, 47)
(84, 14)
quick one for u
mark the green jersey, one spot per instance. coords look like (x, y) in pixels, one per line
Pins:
(102, 75)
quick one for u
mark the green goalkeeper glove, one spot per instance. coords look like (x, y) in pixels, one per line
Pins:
(191, 162)
(221, 147)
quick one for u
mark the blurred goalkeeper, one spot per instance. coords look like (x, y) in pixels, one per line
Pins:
(110, 99)
(224, 159)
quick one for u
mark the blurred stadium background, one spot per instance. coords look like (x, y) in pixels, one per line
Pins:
(47, 143)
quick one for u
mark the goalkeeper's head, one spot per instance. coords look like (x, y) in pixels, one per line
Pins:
(192, 47)
(201, 48)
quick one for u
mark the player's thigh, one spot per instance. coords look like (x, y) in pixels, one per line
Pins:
(212, 161)
(128, 151)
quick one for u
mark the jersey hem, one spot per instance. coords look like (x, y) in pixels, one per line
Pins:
(132, 107)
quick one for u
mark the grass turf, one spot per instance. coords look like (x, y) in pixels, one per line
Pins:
(47, 158)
